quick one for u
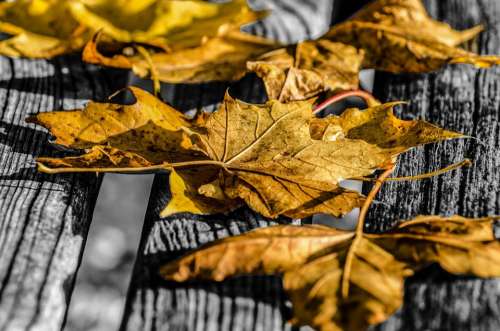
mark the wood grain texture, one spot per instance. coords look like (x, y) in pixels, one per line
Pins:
(251, 303)
(43, 219)
(462, 98)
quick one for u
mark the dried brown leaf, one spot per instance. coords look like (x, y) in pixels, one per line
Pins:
(307, 69)
(385, 30)
(312, 261)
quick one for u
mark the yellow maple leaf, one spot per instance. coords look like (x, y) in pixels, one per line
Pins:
(40, 29)
(47, 28)
(276, 157)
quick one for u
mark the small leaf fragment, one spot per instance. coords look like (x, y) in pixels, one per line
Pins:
(309, 68)
(185, 198)
(98, 157)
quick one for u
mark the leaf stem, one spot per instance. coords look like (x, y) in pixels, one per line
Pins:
(464, 163)
(359, 229)
(152, 68)
(366, 96)
(138, 170)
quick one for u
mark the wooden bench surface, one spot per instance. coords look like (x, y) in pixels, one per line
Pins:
(251, 303)
(465, 99)
(44, 219)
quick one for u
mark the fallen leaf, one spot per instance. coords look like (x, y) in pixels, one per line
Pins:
(221, 58)
(311, 260)
(385, 30)
(48, 28)
(40, 29)
(188, 41)
(307, 69)
(168, 24)
(271, 156)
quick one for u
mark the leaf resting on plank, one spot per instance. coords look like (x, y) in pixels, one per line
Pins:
(276, 157)
(163, 23)
(399, 36)
(221, 58)
(381, 35)
(307, 69)
(47, 28)
(311, 260)
(187, 41)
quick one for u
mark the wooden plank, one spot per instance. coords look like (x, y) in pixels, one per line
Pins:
(43, 219)
(252, 303)
(465, 99)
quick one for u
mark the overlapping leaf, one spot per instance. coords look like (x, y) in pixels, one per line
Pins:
(40, 28)
(221, 58)
(312, 260)
(276, 157)
(377, 125)
(47, 28)
(168, 24)
(148, 127)
(192, 41)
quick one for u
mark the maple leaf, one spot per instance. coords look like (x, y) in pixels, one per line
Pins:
(312, 260)
(47, 28)
(211, 49)
(40, 29)
(303, 71)
(276, 157)
(385, 30)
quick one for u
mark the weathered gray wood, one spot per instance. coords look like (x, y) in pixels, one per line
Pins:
(43, 219)
(465, 99)
(253, 303)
